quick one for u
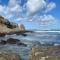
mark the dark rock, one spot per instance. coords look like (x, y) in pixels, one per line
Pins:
(12, 41)
(24, 34)
(21, 34)
(19, 44)
(3, 42)
(11, 25)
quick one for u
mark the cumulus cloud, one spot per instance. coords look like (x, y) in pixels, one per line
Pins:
(15, 10)
(35, 5)
(1, 8)
(11, 10)
(50, 7)
(30, 7)
(47, 19)
(43, 20)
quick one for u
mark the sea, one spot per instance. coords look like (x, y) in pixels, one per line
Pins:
(31, 38)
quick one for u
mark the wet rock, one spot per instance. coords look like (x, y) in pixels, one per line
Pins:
(21, 34)
(24, 35)
(3, 42)
(12, 41)
(19, 44)
(9, 56)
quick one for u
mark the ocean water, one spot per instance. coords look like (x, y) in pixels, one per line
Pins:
(31, 39)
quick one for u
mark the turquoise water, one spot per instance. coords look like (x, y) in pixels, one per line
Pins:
(30, 40)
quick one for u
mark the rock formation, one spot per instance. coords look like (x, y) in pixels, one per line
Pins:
(6, 22)
(6, 26)
(22, 27)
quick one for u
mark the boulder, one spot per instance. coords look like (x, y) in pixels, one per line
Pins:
(9, 56)
(3, 42)
(22, 44)
(12, 41)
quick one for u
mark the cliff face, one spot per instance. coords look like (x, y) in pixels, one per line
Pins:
(6, 25)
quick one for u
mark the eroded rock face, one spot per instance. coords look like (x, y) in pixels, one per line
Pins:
(9, 56)
(6, 22)
(6, 26)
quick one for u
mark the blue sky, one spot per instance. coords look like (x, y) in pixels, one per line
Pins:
(34, 14)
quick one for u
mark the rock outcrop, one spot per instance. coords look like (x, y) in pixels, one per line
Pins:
(6, 22)
(21, 27)
(6, 26)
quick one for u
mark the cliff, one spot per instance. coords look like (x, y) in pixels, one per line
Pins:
(6, 25)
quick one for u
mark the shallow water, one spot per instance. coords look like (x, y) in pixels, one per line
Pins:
(42, 37)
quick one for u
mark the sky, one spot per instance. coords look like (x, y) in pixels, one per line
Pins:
(34, 14)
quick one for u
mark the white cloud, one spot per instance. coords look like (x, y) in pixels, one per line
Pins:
(47, 19)
(50, 7)
(12, 3)
(13, 9)
(1, 8)
(35, 5)
(43, 20)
